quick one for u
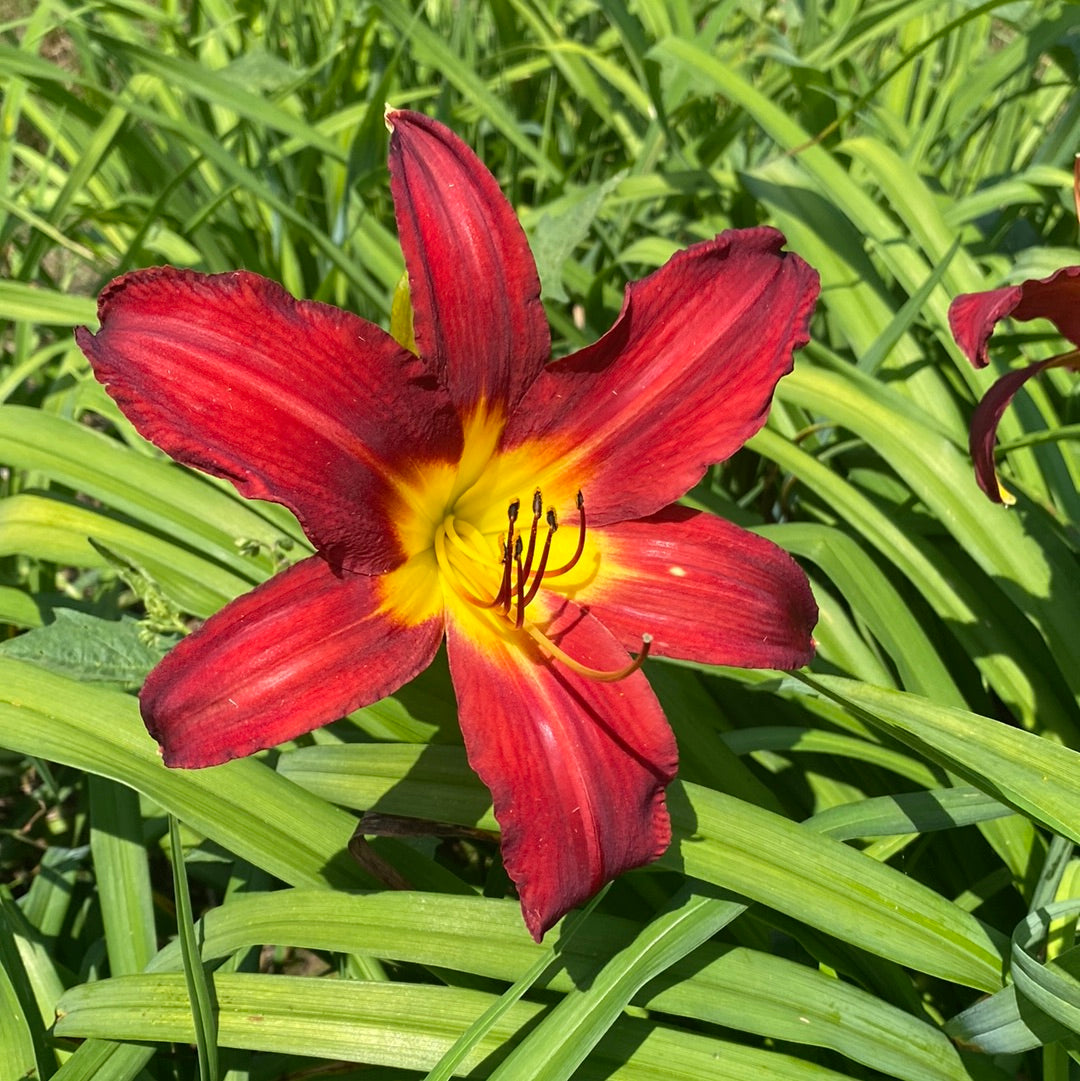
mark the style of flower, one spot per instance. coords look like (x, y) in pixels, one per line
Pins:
(972, 318)
(524, 510)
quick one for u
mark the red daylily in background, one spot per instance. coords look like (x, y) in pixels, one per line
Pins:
(972, 318)
(521, 508)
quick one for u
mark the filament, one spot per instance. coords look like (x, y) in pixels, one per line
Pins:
(580, 541)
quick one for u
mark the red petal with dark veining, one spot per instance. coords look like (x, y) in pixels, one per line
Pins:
(683, 378)
(972, 316)
(705, 590)
(303, 649)
(293, 401)
(477, 314)
(577, 768)
(987, 416)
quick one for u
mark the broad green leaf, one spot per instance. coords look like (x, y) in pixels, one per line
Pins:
(828, 885)
(717, 838)
(18, 608)
(559, 230)
(1052, 988)
(1032, 567)
(909, 812)
(1041, 1007)
(151, 490)
(121, 875)
(19, 300)
(16, 1043)
(243, 805)
(46, 907)
(24, 1047)
(60, 532)
(1037, 776)
(734, 987)
(768, 738)
(408, 1026)
(103, 1060)
(88, 648)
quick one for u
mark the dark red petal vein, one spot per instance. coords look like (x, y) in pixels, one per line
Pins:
(299, 651)
(577, 769)
(477, 314)
(292, 401)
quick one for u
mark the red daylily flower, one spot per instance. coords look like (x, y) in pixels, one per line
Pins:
(972, 318)
(520, 508)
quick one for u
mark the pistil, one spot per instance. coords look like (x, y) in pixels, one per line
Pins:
(601, 675)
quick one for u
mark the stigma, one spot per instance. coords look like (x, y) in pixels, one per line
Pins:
(524, 567)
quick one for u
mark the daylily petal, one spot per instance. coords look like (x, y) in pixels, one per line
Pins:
(287, 399)
(987, 416)
(972, 316)
(683, 378)
(577, 768)
(299, 651)
(477, 315)
(705, 590)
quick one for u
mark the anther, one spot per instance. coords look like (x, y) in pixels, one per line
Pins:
(506, 591)
(538, 509)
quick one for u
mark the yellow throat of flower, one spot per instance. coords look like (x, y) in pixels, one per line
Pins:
(472, 554)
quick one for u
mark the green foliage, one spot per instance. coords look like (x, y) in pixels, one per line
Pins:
(859, 856)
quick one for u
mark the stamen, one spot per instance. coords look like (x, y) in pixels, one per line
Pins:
(580, 541)
(553, 524)
(506, 592)
(520, 619)
(503, 596)
(598, 674)
(538, 509)
(462, 553)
